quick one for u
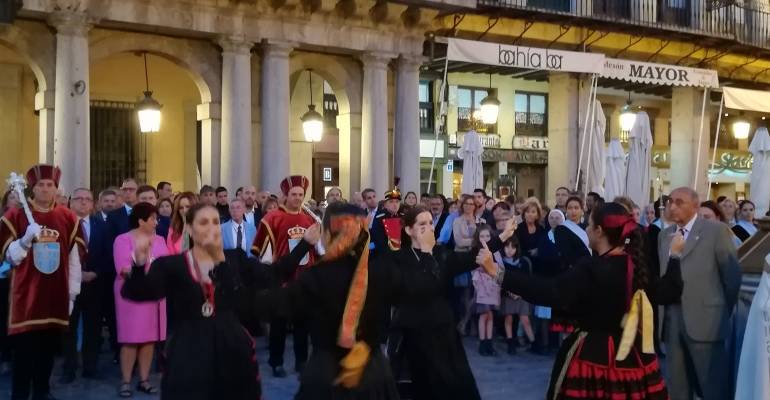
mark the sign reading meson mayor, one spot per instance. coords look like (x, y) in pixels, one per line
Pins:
(524, 57)
(660, 74)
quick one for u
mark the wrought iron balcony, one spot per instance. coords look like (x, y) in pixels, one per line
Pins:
(744, 21)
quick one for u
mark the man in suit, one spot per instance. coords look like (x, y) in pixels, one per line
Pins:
(698, 326)
(222, 204)
(439, 213)
(88, 304)
(236, 233)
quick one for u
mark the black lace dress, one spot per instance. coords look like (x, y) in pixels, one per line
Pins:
(208, 358)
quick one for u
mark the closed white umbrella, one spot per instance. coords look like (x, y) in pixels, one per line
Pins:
(760, 171)
(596, 151)
(473, 170)
(615, 169)
(637, 179)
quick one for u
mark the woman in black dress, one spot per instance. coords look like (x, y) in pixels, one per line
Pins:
(209, 355)
(605, 358)
(427, 341)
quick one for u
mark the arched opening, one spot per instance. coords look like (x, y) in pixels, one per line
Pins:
(19, 121)
(118, 148)
(336, 86)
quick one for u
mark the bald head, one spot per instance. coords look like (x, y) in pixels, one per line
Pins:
(683, 205)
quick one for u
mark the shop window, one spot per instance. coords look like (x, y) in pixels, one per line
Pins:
(331, 108)
(425, 178)
(531, 114)
(469, 109)
(426, 107)
(726, 138)
(118, 149)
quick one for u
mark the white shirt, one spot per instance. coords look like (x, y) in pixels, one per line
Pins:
(248, 216)
(244, 245)
(128, 208)
(688, 228)
(104, 216)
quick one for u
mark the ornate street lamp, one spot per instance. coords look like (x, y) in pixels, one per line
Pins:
(490, 106)
(148, 109)
(312, 121)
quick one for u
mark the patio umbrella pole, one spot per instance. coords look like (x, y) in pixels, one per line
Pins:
(700, 139)
(438, 124)
(592, 125)
(583, 139)
(716, 140)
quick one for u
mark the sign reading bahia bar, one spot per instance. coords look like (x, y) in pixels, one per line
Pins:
(524, 57)
(660, 74)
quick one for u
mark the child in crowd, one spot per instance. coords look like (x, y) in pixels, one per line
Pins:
(487, 296)
(511, 304)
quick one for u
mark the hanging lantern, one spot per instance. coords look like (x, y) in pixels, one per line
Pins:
(627, 117)
(312, 121)
(741, 128)
(148, 109)
(490, 106)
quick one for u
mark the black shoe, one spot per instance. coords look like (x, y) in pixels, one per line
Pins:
(67, 378)
(511, 346)
(279, 372)
(491, 348)
(483, 348)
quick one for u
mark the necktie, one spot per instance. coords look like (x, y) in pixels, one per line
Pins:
(85, 231)
(239, 237)
(683, 232)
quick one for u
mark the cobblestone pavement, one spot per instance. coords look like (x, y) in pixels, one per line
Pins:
(521, 377)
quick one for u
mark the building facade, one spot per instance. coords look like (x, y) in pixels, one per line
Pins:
(235, 76)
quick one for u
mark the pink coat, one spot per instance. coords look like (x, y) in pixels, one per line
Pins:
(138, 322)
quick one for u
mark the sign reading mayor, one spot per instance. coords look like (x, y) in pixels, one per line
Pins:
(524, 57)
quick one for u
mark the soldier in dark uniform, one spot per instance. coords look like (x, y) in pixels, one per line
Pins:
(386, 228)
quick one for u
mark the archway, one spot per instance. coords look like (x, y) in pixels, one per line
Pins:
(118, 149)
(19, 121)
(336, 87)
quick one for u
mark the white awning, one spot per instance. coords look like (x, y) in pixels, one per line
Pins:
(660, 74)
(502, 55)
(747, 99)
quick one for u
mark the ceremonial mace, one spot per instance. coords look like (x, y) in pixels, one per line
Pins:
(17, 183)
(312, 214)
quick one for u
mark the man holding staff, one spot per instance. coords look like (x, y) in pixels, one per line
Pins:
(45, 244)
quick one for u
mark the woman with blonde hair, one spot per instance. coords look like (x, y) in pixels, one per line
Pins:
(178, 240)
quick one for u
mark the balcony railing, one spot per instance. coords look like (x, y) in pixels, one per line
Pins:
(745, 21)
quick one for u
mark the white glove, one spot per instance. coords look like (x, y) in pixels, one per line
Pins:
(15, 253)
(33, 232)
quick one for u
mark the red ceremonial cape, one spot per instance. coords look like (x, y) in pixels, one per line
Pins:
(281, 230)
(36, 300)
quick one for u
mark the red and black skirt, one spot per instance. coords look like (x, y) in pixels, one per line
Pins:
(585, 368)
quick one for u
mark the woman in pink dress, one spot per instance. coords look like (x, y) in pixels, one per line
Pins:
(178, 240)
(140, 325)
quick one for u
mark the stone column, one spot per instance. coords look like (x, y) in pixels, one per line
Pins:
(563, 112)
(686, 103)
(44, 105)
(374, 124)
(236, 113)
(210, 116)
(275, 115)
(407, 125)
(72, 151)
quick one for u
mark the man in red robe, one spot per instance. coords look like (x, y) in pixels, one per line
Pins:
(278, 233)
(45, 278)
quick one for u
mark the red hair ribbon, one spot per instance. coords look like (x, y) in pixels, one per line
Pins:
(628, 224)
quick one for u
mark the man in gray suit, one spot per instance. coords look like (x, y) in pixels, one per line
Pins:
(697, 327)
